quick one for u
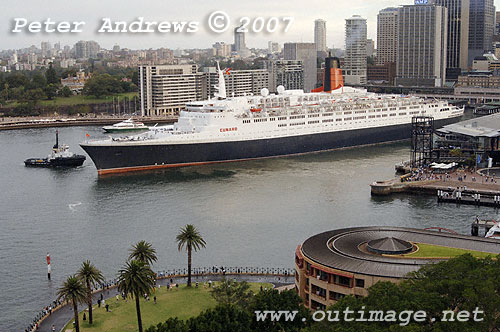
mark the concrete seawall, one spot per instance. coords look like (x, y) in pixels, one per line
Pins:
(74, 122)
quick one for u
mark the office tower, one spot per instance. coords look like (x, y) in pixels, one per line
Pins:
(387, 35)
(355, 51)
(458, 35)
(305, 52)
(239, 40)
(481, 27)
(422, 45)
(289, 73)
(320, 35)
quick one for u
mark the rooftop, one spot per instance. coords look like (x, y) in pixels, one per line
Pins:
(485, 126)
(342, 249)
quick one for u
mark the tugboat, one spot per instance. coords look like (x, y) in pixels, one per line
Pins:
(127, 125)
(60, 157)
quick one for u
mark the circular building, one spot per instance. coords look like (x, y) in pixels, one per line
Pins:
(347, 261)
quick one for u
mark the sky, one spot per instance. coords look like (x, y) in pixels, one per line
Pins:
(92, 12)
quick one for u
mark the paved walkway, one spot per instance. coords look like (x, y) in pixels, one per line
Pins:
(61, 317)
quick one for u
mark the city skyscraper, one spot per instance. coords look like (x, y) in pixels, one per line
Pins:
(481, 27)
(355, 50)
(239, 40)
(320, 35)
(422, 45)
(387, 35)
(458, 35)
(305, 52)
(46, 49)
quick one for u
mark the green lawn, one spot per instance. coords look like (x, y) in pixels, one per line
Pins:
(179, 302)
(79, 100)
(433, 251)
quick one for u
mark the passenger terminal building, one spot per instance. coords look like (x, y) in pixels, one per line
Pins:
(348, 261)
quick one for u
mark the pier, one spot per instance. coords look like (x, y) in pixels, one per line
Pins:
(472, 188)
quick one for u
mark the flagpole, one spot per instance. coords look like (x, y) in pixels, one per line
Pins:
(48, 266)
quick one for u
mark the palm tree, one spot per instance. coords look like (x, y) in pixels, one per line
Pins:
(190, 238)
(136, 279)
(73, 290)
(91, 276)
(143, 251)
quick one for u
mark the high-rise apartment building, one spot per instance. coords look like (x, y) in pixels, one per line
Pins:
(481, 27)
(355, 51)
(458, 35)
(165, 89)
(46, 49)
(273, 47)
(305, 52)
(387, 35)
(86, 49)
(289, 73)
(320, 35)
(422, 45)
(221, 49)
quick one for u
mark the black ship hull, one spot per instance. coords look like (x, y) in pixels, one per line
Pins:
(74, 161)
(126, 158)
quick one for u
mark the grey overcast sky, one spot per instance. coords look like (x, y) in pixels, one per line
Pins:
(93, 11)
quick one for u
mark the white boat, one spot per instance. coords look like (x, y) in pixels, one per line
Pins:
(494, 232)
(127, 125)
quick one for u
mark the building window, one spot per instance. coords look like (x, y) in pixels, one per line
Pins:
(360, 283)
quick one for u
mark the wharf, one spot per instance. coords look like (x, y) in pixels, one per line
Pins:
(48, 122)
(473, 184)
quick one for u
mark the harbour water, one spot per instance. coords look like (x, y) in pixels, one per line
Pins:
(251, 213)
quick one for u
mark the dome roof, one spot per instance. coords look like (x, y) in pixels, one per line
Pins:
(389, 246)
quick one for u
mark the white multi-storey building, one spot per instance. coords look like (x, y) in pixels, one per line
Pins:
(165, 89)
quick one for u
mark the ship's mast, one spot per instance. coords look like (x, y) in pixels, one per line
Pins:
(56, 146)
(221, 87)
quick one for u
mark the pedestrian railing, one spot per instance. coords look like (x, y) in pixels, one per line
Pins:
(196, 272)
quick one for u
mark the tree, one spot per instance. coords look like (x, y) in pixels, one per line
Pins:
(171, 325)
(38, 81)
(136, 279)
(221, 319)
(90, 276)
(143, 251)
(73, 290)
(274, 300)
(102, 85)
(50, 91)
(232, 293)
(51, 75)
(65, 92)
(34, 95)
(190, 239)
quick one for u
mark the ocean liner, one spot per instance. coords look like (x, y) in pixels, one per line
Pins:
(290, 122)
